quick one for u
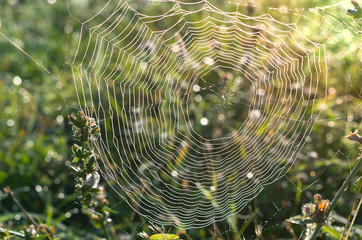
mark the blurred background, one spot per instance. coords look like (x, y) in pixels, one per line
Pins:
(36, 139)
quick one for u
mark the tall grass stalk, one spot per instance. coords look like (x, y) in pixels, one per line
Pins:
(340, 192)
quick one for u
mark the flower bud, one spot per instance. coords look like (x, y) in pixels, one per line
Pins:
(317, 198)
(323, 205)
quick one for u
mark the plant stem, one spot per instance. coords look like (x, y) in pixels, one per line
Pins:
(18, 234)
(341, 190)
(316, 231)
(105, 230)
(11, 195)
(354, 218)
(350, 215)
(339, 19)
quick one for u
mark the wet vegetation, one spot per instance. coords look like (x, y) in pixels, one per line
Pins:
(51, 187)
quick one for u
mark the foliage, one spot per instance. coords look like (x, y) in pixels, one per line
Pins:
(84, 167)
(356, 12)
(160, 234)
(36, 142)
(317, 215)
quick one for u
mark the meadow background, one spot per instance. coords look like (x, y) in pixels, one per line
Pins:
(36, 139)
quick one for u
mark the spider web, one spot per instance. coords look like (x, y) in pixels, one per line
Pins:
(225, 85)
(200, 108)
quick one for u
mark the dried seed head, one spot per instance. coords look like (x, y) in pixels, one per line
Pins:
(308, 209)
(355, 137)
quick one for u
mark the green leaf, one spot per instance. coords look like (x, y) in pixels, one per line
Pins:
(110, 210)
(299, 219)
(164, 236)
(355, 13)
(95, 190)
(331, 231)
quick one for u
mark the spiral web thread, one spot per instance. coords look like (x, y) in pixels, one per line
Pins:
(149, 81)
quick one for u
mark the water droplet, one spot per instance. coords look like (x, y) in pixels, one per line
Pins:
(174, 173)
(209, 61)
(10, 123)
(60, 119)
(61, 195)
(196, 88)
(17, 81)
(198, 98)
(38, 188)
(204, 121)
